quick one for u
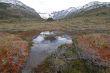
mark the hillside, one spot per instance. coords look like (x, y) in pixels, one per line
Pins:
(87, 27)
(103, 12)
(94, 8)
(16, 9)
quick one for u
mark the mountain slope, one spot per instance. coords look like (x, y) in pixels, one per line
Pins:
(104, 7)
(16, 9)
(92, 8)
(63, 13)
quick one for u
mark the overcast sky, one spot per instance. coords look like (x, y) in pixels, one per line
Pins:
(47, 6)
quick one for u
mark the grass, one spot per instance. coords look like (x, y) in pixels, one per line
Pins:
(81, 66)
(96, 44)
(25, 30)
(78, 23)
(54, 62)
(13, 53)
(57, 63)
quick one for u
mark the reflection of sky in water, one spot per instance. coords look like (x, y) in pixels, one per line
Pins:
(42, 48)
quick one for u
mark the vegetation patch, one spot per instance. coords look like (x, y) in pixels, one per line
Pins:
(13, 53)
(66, 60)
(98, 45)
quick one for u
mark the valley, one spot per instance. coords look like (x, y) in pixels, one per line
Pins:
(26, 40)
(73, 27)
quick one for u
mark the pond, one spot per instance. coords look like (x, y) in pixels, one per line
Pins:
(43, 45)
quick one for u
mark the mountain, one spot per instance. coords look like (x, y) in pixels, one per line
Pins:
(63, 13)
(16, 9)
(90, 7)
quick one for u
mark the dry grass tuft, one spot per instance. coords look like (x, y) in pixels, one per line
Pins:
(13, 53)
(97, 44)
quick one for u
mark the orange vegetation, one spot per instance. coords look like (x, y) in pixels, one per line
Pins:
(97, 44)
(13, 53)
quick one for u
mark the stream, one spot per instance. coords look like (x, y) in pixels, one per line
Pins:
(43, 45)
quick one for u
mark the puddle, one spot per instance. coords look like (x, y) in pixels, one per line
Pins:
(43, 45)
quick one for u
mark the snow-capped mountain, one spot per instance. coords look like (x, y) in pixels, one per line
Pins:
(63, 13)
(16, 9)
(94, 5)
(16, 2)
(72, 11)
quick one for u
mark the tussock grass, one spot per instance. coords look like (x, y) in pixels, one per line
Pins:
(78, 23)
(13, 53)
(97, 45)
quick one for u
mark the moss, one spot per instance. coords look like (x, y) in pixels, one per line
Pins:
(43, 68)
(71, 52)
(82, 66)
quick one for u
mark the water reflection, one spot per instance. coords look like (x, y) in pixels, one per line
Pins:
(43, 45)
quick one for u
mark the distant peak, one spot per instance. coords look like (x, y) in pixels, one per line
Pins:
(94, 2)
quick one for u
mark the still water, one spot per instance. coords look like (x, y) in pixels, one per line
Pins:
(43, 47)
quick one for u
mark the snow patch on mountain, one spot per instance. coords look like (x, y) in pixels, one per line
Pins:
(19, 9)
(73, 11)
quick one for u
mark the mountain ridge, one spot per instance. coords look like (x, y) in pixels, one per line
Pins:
(16, 9)
(72, 11)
